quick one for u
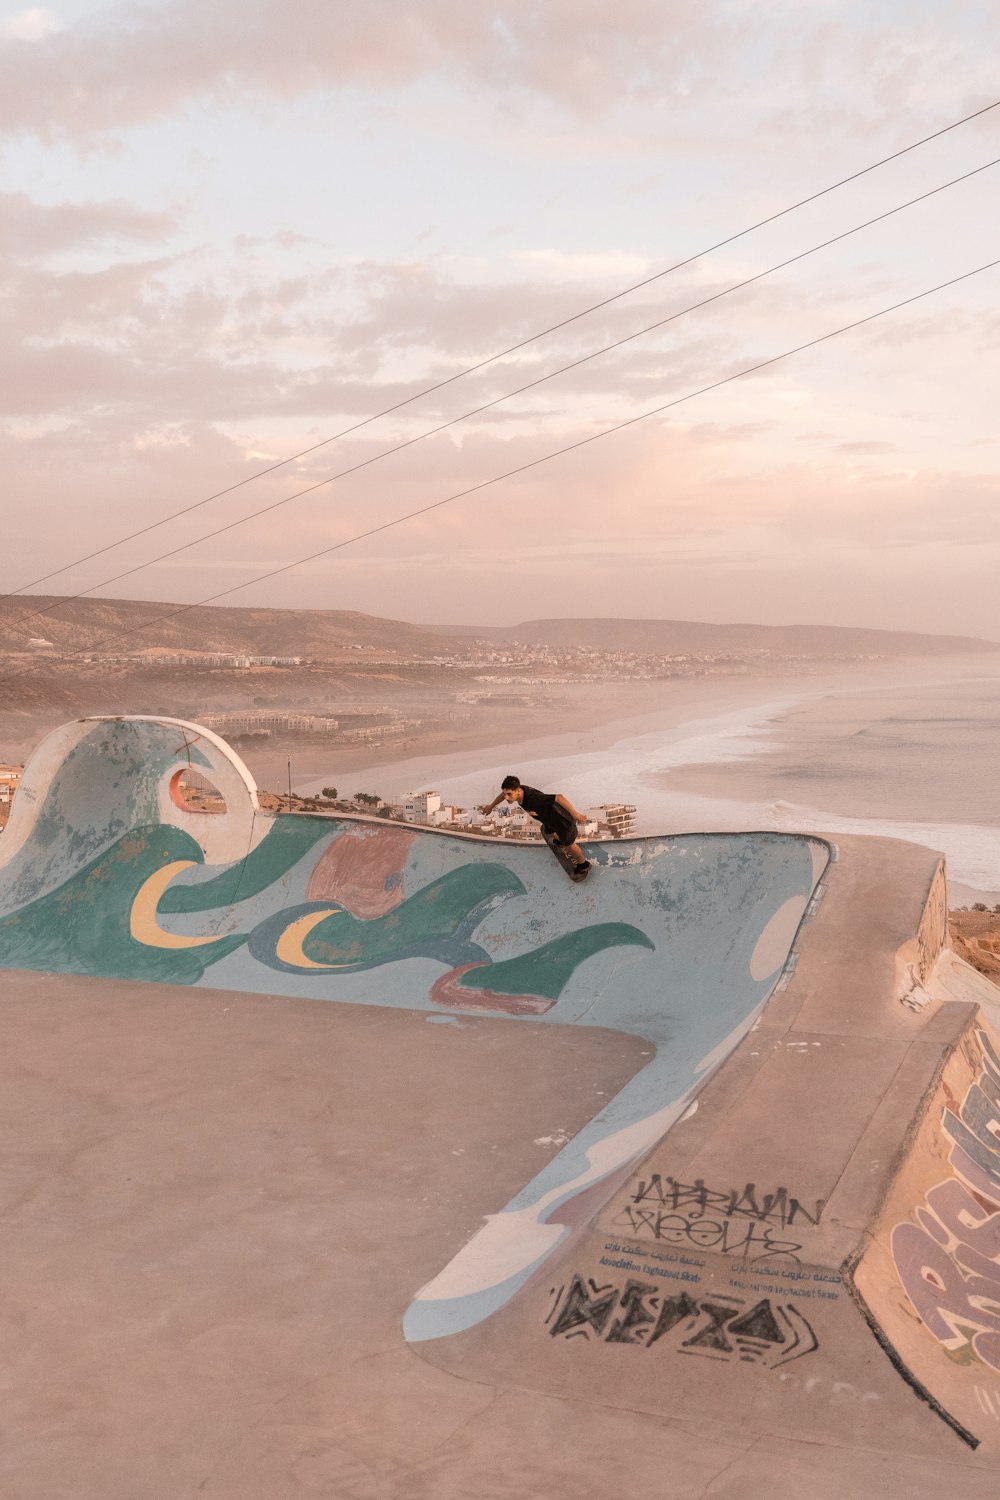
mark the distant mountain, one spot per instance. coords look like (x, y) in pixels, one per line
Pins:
(128, 626)
(679, 637)
(117, 625)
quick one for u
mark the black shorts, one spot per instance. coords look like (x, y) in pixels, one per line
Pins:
(561, 828)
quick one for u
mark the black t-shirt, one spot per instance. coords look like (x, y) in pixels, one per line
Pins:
(542, 805)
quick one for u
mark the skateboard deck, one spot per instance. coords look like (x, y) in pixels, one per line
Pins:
(565, 860)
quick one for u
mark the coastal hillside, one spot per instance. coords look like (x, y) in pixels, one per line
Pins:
(133, 627)
(684, 636)
(150, 627)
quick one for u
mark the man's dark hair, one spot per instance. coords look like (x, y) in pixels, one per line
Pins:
(509, 784)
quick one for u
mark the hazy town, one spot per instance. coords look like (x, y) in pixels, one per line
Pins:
(272, 679)
(344, 690)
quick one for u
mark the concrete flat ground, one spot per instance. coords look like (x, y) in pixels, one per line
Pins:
(216, 1209)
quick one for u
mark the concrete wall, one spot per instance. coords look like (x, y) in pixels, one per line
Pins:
(931, 1276)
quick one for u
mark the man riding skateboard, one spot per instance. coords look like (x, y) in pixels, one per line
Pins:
(556, 814)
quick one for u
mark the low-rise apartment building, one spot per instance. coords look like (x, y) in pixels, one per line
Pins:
(618, 816)
(10, 777)
(418, 807)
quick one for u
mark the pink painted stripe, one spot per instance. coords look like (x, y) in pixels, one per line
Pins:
(448, 992)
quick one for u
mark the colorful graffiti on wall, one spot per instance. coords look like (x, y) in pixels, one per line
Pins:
(948, 1261)
(105, 869)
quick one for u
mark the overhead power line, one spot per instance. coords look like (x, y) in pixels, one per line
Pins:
(534, 463)
(503, 353)
(274, 505)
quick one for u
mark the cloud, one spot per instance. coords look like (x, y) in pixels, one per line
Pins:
(132, 63)
(835, 74)
(29, 25)
(266, 335)
(625, 514)
(243, 333)
(29, 229)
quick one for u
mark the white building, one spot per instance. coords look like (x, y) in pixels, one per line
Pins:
(512, 819)
(418, 807)
(618, 817)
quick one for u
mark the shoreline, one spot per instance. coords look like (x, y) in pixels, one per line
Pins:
(602, 714)
(599, 721)
(820, 733)
(703, 755)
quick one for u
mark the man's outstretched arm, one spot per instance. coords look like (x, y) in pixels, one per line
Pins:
(567, 804)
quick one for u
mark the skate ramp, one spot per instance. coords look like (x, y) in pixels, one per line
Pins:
(777, 1236)
(106, 871)
(812, 1253)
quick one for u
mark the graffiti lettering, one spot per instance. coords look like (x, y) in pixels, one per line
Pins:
(737, 1203)
(717, 1327)
(949, 1260)
(738, 1221)
(744, 1239)
(630, 1328)
(580, 1311)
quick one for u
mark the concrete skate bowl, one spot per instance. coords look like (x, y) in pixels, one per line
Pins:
(106, 871)
(810, 1255)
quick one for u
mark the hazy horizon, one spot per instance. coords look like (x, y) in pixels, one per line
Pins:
(224, 239)
(443, 625)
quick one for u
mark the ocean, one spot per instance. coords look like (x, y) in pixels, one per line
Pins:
(914, 757)
(915, 760)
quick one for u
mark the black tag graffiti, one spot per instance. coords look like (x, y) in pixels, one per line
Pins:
(733, 1222)
(719, 1326)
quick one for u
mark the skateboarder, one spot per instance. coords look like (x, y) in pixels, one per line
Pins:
(556, 814)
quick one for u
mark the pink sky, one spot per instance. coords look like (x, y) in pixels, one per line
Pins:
(226, 236)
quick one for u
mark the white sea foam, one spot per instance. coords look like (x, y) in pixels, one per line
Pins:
(631, 770)
(623, 771)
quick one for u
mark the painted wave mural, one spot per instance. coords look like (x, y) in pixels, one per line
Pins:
(106, 870)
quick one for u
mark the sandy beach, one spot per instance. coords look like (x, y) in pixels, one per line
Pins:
(596, 717)
(902, 750)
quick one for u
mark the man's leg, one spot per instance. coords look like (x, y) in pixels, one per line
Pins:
(573, 849)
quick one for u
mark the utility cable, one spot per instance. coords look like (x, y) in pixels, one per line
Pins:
(489, 405)
(512, 349)
(535, 462)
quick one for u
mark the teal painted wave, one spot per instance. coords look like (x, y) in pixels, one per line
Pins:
(435, 922)
(84, 925)
(287, 842)
(545, 970)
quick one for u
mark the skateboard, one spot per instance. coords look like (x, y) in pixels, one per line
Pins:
(565, 860)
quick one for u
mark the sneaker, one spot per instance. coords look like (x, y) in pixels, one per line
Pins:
(582, 867)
